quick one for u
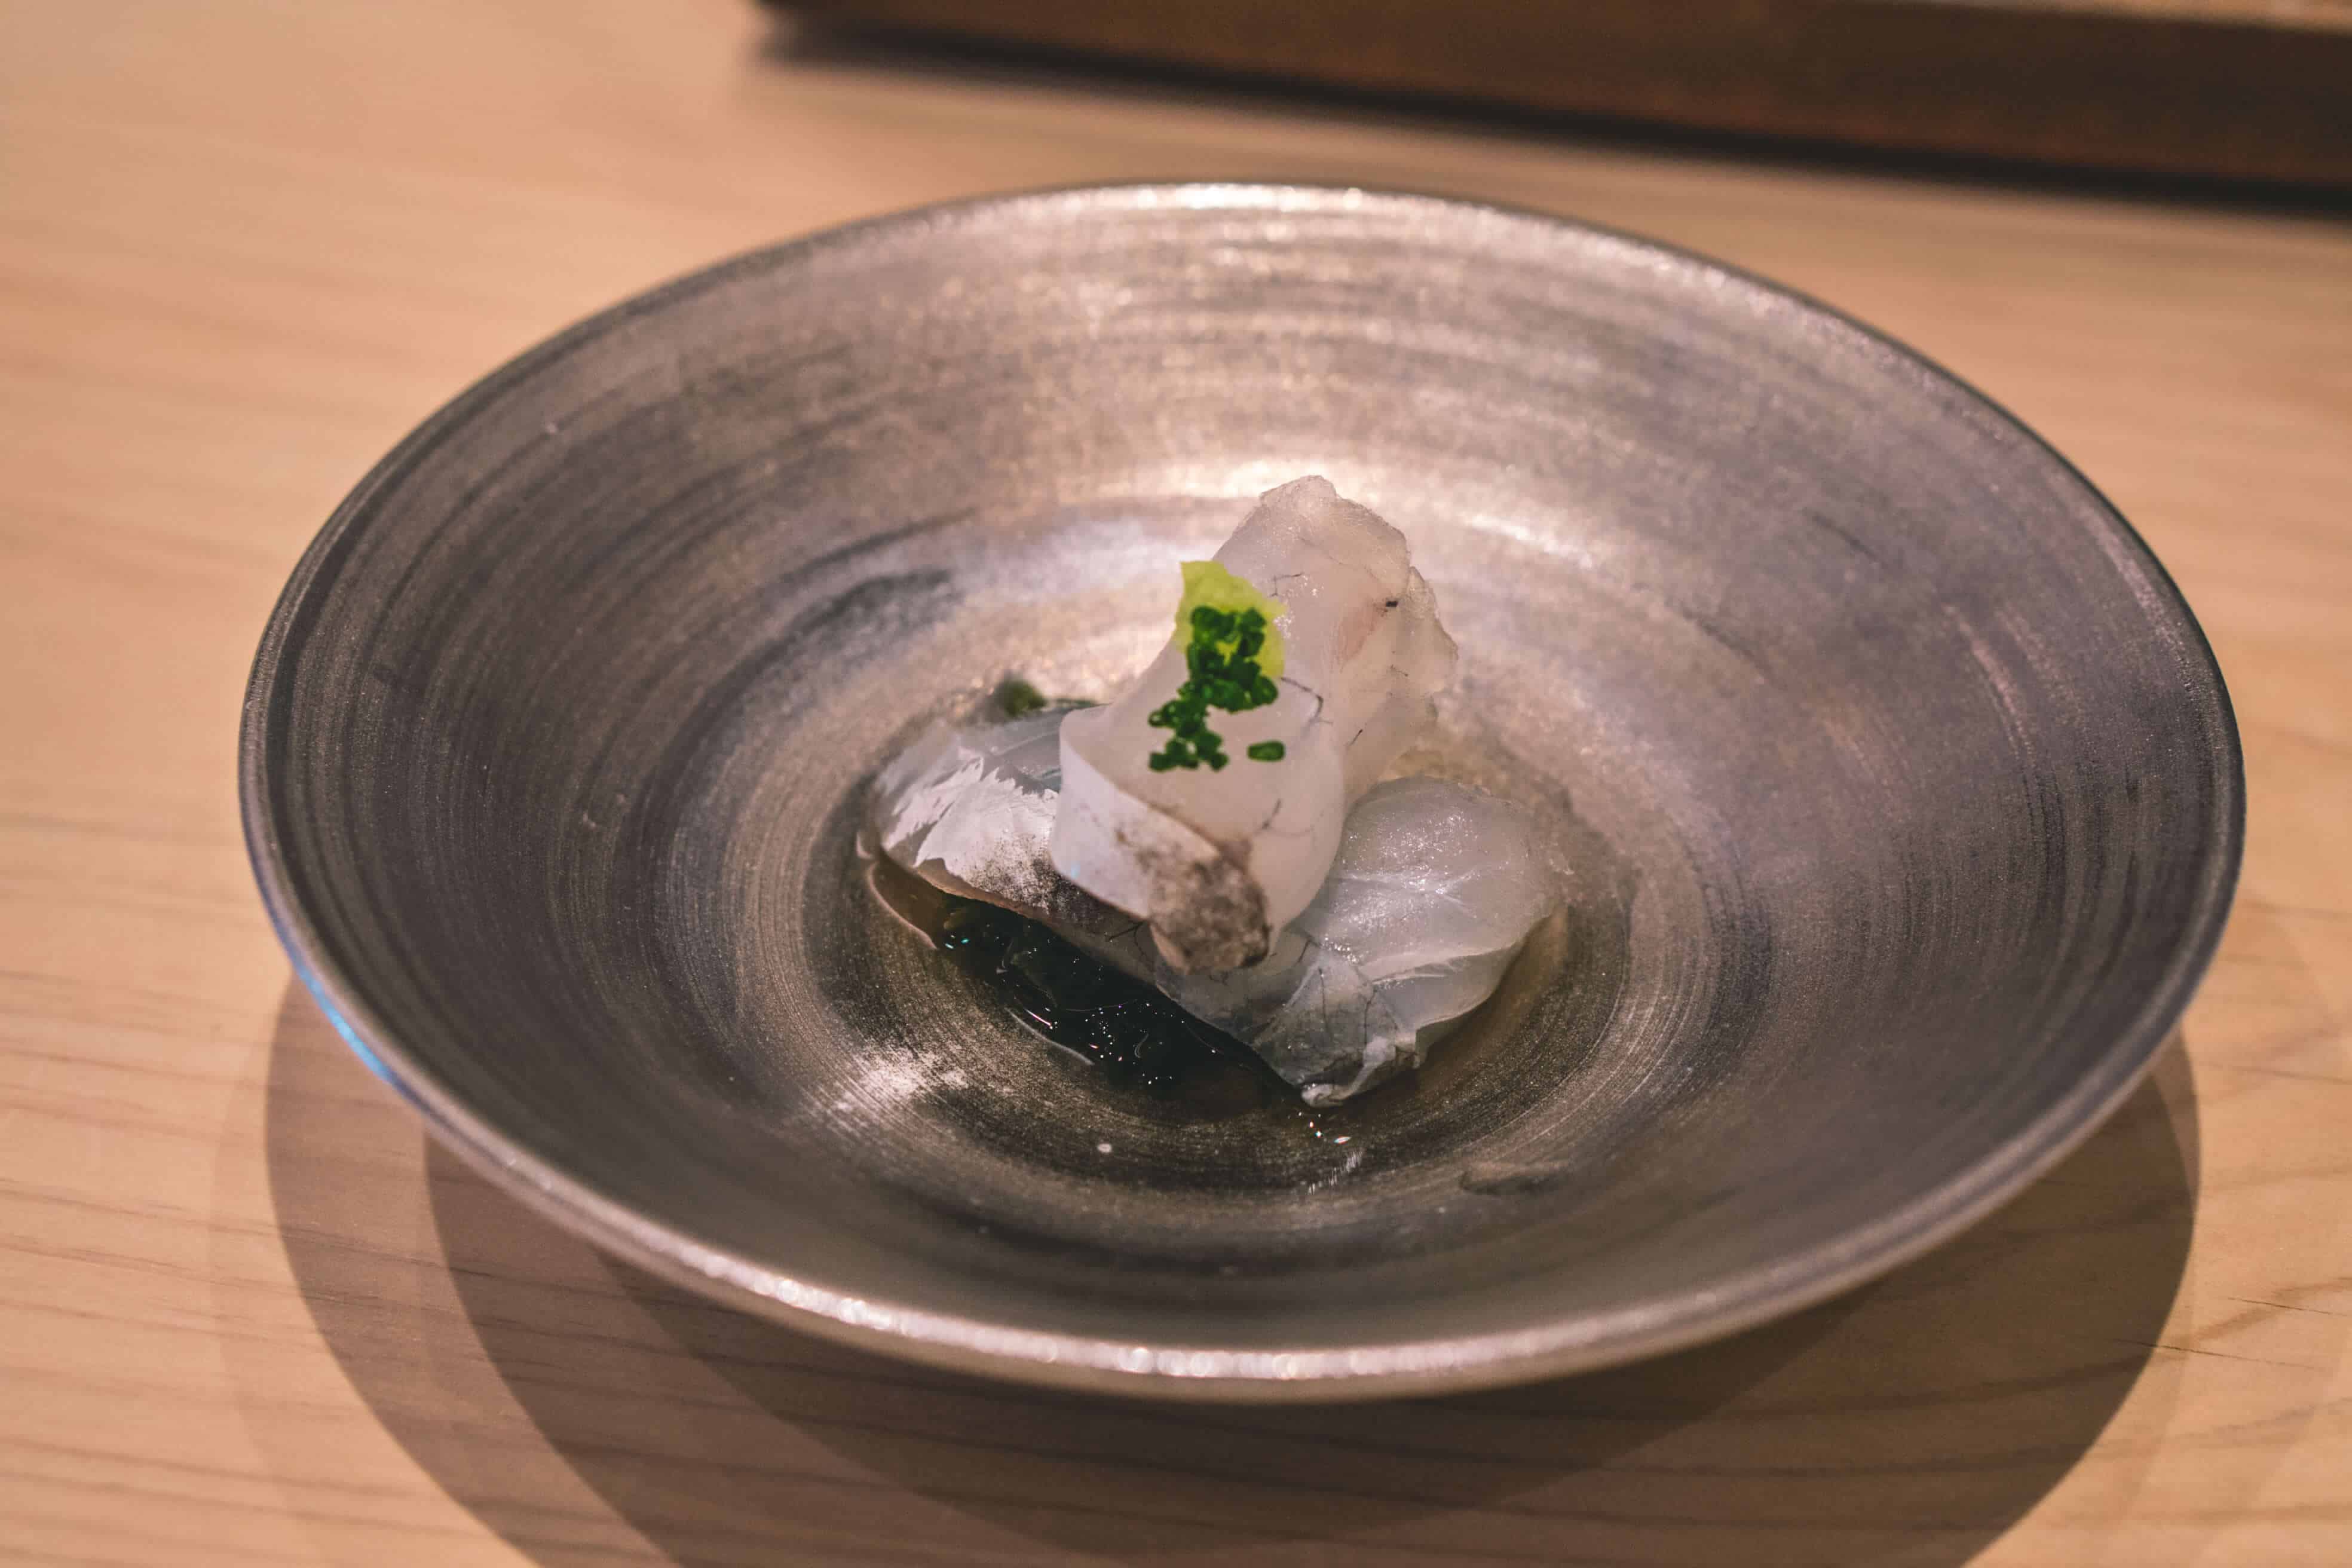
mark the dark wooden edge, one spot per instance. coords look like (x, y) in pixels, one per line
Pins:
(2150, 90)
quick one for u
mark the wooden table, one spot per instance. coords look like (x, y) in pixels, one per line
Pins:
(248, 1317)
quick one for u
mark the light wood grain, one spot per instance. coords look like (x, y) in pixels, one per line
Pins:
(248, 1317)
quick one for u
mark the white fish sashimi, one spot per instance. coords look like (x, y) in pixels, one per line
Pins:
(1219, 860)
(1433, 890)
(969, 809)
(1432, 893)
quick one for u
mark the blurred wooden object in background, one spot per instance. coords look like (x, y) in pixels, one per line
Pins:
(2256, 89)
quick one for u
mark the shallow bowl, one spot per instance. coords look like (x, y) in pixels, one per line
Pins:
(1898, 788)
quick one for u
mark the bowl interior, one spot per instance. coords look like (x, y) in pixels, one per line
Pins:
(1898, 788)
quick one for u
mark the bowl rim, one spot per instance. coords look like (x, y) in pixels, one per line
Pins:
(1205, 1372)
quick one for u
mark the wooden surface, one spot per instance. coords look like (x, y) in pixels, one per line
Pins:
(2237, 88)
(246, 1317)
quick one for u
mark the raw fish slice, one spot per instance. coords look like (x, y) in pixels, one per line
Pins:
(1219, 859)
(1432, 893)
(969, 809)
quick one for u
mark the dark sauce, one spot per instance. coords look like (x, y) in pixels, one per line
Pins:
(1124, 1026)
(1139, 1039)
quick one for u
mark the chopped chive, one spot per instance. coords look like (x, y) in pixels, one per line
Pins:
(1017, 697)
(1222, 671)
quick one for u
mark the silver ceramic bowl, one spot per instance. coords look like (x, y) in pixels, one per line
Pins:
(1901, 790)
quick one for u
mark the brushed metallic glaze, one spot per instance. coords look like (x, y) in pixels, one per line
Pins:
(1901, 789)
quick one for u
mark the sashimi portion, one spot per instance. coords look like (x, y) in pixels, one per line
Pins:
(1431, 891)
(1209, 799)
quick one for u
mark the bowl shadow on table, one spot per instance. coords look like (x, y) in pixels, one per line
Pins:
(1912, 1420)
